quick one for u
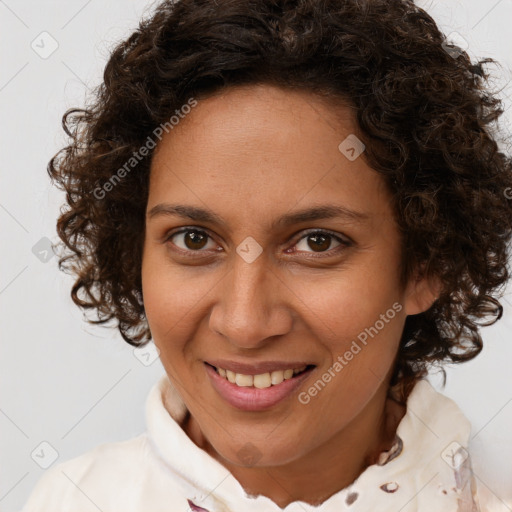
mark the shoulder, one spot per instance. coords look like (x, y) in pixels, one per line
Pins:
(107, 476)
(474, 474)
(433, 459)
(490, 501)
(491, 471)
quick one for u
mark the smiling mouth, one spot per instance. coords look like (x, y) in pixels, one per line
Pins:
(263, 380)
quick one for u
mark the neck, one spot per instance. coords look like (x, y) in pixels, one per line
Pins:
(328, 469)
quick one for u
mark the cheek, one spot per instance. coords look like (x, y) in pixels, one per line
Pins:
(175, 303)
(343, 306)
(360, 348)
(165, 298)
(356, 318)
(169, 292)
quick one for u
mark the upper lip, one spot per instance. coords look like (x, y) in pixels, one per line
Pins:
(256, 368)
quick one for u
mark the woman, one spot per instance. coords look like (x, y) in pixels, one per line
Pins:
(304, 206)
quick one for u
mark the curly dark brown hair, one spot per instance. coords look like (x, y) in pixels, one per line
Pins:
(424, 111)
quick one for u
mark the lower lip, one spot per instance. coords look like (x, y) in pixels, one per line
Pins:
(251, 398)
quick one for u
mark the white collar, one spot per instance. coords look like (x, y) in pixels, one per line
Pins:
(424, 471)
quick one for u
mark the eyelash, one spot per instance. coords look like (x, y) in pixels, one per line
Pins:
(190, 253)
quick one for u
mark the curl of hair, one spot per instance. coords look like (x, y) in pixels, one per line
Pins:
(425, 115)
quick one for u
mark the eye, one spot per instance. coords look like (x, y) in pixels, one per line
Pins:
(193, 239)
(320, 241)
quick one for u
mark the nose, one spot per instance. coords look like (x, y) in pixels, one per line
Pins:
(251, 307)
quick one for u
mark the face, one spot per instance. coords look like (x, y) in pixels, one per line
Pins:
(243, 285)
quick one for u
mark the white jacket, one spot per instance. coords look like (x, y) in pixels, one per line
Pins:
(427, 470)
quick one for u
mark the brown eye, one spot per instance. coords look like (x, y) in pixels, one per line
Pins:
(192, 239)
(320, 241)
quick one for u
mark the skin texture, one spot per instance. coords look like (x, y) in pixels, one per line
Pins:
(252, 154)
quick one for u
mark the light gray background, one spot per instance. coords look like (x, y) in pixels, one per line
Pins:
(75, 386)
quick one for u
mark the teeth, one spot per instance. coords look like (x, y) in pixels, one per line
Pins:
(277, 377)
(261, 381)
(243, 380)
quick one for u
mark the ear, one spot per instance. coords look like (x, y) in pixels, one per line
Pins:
(421, 292)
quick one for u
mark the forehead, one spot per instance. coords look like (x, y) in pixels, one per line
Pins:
(261, 119)
(261, 145)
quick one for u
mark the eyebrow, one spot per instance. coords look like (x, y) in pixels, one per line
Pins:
(195, 213)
